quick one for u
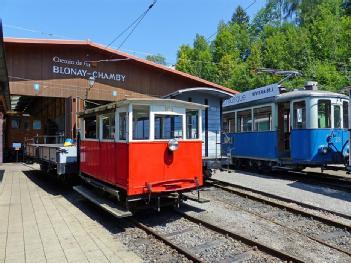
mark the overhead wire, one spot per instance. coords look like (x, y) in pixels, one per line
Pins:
(33, 31)
(246, 8)
(135, 23)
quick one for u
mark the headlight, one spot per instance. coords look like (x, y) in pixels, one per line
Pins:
(173, 145)
(323, 149)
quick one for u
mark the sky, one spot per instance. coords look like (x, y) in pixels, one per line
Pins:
(168, 25)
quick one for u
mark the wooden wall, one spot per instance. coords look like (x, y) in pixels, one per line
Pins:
(30, 64)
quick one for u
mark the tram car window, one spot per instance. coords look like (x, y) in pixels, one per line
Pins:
(345, 114)
(244, 120)
(299, 115)
(156, 156)
(324, 114)
(168, 126)
(122, 126)
(141, 122)
(296, 129)
(108, 126)
(263, 118)
(90, 127)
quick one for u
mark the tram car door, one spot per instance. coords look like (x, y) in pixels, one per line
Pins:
(284, 128)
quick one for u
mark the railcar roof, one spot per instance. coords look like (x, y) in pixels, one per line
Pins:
(288, 96)
(143, 101)
(308, 93)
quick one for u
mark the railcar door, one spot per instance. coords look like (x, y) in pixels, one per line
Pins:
(284, 129)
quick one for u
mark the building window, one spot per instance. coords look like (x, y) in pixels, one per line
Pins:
(90, 127)
(15, 123)
(26, 125)
(263, 119)
(345, 114)
(192, 124)
(299, 115)
(141, 122)
(122, 126)
(244, 121)
(337, 116)
(36, 124)
(324, 110)
(108, 126)
(168, 126)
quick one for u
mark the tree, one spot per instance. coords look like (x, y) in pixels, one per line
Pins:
(312, 37)
(159, 59)
(240, 17)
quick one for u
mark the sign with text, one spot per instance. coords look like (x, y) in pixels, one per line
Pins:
(16, 145)
(78, 68)
(251, 95)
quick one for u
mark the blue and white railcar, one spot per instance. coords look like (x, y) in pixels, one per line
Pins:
(306, 127)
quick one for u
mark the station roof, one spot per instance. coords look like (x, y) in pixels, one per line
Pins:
(88, 43)
(212, 91)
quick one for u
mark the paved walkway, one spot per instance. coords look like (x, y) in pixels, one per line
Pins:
(37, 225)
(324, 197)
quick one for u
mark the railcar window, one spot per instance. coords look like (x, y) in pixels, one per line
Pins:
(229, 123)
(244, 121)
(141, 122)
(122, 126)
(263, 118)
(108, 126)
(337, 116)
(192, 124)
(299, 114)
(168, 126)
(90, 127)
(324, 110)
(345, 114)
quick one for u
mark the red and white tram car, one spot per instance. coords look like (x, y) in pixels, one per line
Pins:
(142, 149)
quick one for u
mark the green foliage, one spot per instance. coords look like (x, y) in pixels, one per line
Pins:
(312, 37)
(159, 59)
(240, 17)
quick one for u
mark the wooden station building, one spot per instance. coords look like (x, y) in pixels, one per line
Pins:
(45, 82)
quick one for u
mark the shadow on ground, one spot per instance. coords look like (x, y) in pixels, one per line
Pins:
(114, 225)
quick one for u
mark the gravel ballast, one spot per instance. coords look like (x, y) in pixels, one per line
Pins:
(318, 196)
(226, 211)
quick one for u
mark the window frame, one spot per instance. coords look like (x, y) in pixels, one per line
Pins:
(236, 119)
(270, 118)
(330, 113)
(167, 139)
(345, 120)
(131, 122)
(340, 115)
(101, 128)
(292, 116)
(97, 137)
(117, 122)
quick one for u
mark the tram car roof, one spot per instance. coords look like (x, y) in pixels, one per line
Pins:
(286, 96)
(144, 101)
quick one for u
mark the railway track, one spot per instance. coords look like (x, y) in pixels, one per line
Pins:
(320, 229)
(336, 182)
(201, 241)
(283, 202)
